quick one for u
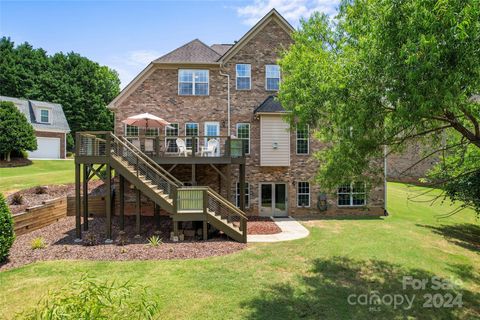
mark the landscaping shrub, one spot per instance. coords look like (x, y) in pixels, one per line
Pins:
(17, 199)
(154, 241)
(41, 190)
(38, 243)
(7, 236)
(89, 299)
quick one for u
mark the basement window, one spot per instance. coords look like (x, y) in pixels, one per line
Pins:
(352, 195)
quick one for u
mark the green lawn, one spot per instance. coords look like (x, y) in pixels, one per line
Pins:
(41, 172)
(310, 278)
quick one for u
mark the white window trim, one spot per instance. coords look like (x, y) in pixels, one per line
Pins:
(249, 78)
(249, 135)
(237, 195)
(309, 195)
(279, 78)
(49, 115)
(171, 137)
(308, 142)
(351, 193)
(125, 130)
(193, 82)
(196, 123)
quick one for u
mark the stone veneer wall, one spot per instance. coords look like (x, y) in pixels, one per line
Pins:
(158, 95)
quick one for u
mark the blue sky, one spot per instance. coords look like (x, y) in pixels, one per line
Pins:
(127, 35)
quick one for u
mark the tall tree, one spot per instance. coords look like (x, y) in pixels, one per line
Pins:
(82, 86)
(383, 73)
(16, 133)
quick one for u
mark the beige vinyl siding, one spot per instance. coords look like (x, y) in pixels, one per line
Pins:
(273, 129)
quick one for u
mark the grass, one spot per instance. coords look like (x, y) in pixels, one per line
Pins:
(40, 172)
(309, 278)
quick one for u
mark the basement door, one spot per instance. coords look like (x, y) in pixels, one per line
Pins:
(273, 199)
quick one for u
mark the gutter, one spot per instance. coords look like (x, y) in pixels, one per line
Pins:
(228, 100)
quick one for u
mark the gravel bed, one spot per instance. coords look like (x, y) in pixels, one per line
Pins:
(30, 198)
(60, 238)
(262, 225)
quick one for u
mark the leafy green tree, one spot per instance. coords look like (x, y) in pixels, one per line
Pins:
(82, 86)
(382, 73)
(16, 133)
(7, 235)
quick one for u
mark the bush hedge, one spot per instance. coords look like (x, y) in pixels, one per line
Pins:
(7, 236)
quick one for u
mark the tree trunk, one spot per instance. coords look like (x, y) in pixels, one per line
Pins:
(8, 156)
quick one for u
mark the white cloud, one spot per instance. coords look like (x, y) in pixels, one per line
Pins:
(292, 10)
(130, 64)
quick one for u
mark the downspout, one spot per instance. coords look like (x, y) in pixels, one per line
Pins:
(228, 99)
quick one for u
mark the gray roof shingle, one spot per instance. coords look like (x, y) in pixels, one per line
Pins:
(222, 48)
(271, 104)
(28, 107)
(193, 52)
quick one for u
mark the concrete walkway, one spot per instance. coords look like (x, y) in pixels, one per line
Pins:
(291, 230)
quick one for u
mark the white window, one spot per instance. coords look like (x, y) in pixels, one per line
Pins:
(44, 116)
(302, 140)
(247, 195)
(244, 76)
(243, 133)
(193, 82)
(171, 143)
(353, 194)
(303, 194)
(131, 131)
(191, 129)
(272, 77)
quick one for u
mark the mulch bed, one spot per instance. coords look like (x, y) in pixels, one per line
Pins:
(262, 225)
(15, 162)
(60, 238)
(31, 198)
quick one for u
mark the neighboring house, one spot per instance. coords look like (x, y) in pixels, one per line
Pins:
(50, 125)
(229, 90)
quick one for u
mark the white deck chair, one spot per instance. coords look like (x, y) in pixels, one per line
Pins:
(182, 147)
(136, 143)
(210, 149)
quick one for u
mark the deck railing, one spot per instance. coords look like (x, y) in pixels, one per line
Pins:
(166, 146)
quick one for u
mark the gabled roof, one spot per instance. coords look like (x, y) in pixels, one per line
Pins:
(273, 14)
(194, 51)
(28, 107)
(221, 48)
(270, 105)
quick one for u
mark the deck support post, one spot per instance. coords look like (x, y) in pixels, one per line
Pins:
(108, 203)
(205, 230)
(78, 222)
(86, 173)
(229, 182)
(138, 208)
(122, 202)
(194, 175)
(175, 228)
(242, 186)
(156, 213)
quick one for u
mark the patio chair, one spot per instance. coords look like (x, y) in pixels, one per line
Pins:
(182, 148)
(210, 149)
(136, 143)
(149, 145)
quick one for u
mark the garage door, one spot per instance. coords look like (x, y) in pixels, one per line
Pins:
(47, 148)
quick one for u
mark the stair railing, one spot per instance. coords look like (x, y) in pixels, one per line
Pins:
(151, 162)
(142, 167)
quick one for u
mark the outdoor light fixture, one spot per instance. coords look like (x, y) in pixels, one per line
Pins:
(275, 145)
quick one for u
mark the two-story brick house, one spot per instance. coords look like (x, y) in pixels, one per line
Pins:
(229, 90)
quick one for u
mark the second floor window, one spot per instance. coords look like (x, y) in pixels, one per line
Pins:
(302, 140)
(193, 82)
(171, 143)
(44, 116)
(151, 132)
(244, 76)
(272, 77)
(131, 131)
(243, 133)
